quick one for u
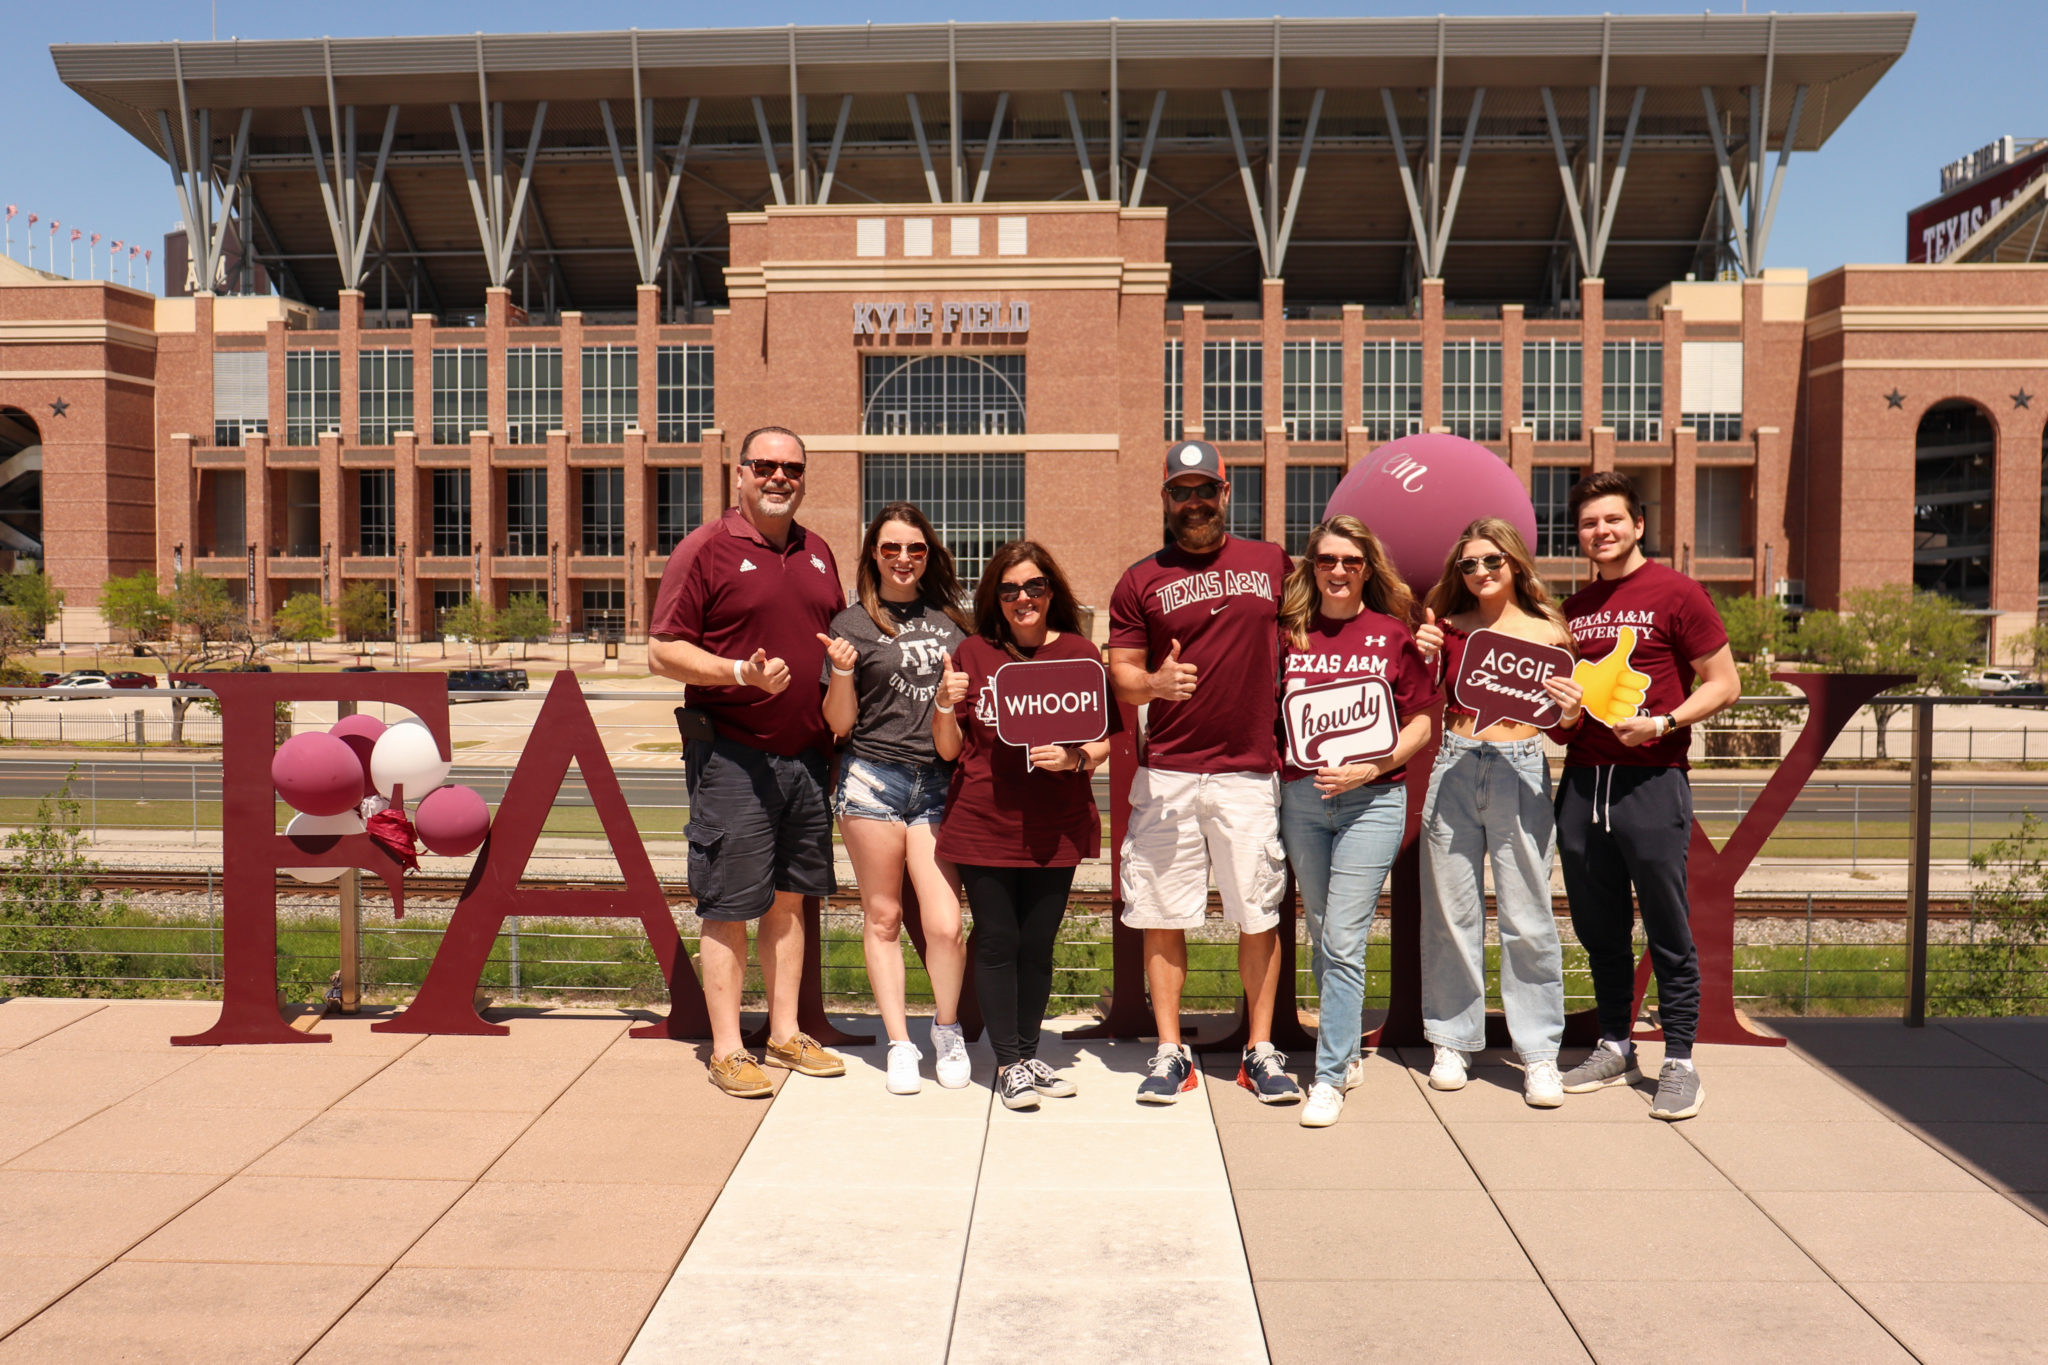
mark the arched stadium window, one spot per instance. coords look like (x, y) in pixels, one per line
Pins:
(1955, 460)
(942, 395)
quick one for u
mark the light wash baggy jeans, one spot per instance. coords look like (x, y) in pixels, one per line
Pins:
(1341, 851)
(1490, 801)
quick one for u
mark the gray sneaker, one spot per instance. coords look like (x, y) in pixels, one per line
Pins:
(1603, 1067)
(1678, 1093)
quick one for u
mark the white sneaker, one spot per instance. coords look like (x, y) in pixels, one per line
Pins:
(949, 1042)
(1447, 1072)
(1325, 1103)
(1354, 1074)
(903, 1060)
(1542, 1087)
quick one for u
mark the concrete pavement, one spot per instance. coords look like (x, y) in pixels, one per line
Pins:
(567, 1193)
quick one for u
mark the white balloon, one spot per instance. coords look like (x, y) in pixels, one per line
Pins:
(348, 822)
(406, 755)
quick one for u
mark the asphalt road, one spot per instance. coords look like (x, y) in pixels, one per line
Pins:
(1825, 799)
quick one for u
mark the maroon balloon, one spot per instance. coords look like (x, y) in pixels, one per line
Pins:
(452, 821)
(360, 733)
(318, 774)
(1417, 493)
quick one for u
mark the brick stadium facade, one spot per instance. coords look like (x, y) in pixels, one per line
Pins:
(524, 418)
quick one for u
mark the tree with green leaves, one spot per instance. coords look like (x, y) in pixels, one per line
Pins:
(1757, 626)
(133, 606)
(1998, 972)
(475, 621)
(1893, 629)
(34, 598)
(526, 619)
(303, 619)
(365, 611)
(51, 906)
(194, 626)
(2029, 649)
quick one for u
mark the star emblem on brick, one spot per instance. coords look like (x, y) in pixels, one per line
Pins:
(59, 408)
(2023, 399)
(1895, 399)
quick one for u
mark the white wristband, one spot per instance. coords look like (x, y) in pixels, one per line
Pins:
(737, 666)
(839, 672)
(943, 710)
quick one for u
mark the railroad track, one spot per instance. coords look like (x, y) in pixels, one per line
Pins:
(428, 887)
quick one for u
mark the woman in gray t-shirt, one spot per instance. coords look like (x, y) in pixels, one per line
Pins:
(886, 655)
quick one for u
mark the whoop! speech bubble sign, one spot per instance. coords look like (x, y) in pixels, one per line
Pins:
(1341, 722)
(1051, 701)
(1502, 679)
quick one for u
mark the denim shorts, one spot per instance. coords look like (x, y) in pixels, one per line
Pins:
(907, 793)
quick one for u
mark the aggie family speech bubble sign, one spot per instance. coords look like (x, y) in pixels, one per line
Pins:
(1502, 679)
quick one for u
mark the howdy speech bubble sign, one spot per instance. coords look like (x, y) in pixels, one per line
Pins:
(1051, 701)
(1340, 722)
(1502, 679)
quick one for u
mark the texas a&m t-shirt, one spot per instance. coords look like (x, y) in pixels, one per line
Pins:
(1673, 622)
(1369, 645)
(1222, 607)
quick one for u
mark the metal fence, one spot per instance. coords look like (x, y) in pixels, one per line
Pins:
(1861, 903)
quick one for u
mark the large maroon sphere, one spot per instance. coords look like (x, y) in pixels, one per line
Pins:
(318, 774)
(360, 733)
(452, 821)
(1417, 493)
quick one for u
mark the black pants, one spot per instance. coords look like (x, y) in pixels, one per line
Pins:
(1017, 914)
(1623, 830)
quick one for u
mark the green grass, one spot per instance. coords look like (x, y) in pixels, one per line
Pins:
(1868, 838)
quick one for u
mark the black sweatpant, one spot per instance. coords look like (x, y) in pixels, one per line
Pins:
(1621, 829)
(1017, 914)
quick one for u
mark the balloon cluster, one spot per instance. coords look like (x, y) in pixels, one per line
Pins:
(327, 776)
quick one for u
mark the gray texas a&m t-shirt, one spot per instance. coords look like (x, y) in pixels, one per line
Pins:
(897, 678)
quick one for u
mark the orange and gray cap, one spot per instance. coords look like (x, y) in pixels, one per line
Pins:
(1194, 457)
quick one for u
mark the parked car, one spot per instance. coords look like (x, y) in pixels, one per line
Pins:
(48, 678)
(132, 679)
(2026, 689)
(74, 686)
(510, 679)
(467, 680)
(1996, 679)
(83, 673)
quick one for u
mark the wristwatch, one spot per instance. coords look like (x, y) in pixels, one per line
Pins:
(1666, 723)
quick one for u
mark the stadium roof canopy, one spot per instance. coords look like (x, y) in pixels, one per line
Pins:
(1351, 156)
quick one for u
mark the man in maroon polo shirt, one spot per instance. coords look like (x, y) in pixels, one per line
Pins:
(740, 620)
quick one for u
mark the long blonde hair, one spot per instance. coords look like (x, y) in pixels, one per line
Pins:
(1382, 591)
(1451, 596)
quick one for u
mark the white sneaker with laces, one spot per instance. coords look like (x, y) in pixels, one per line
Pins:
(903, 1060)
(1325, 1103)
(1354, 1074)
(1542, 1087)
(949, 1042)
(1447, 1071)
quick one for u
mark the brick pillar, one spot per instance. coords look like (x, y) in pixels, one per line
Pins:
(350, 308)
(1681, 499)
(1273, 370)
(1522, 454)
(497, 320)
(413, 531)
(273, 346)
(1774, 453)
(1432, 355)
(562, 538)
(639, 520)
(1673, 321)
(647, 349)
(423, 377)
(572, 375)
(1511, 333)
(1356, 443)
(1193, 332)
(1592, 334)
(338, 511)
(484, 527)
(256, 514)
(177, 521)
(717, 477)
(1603, 449)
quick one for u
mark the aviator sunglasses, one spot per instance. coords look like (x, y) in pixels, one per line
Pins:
(1033, 588)
(1472, 564)
(1349, 563)
(896, 549)
(765, 469)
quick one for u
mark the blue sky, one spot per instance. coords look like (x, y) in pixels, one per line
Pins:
(1972, 73)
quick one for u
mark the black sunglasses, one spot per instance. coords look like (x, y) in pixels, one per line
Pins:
(1206, 491)
(1473, 563)
(1033, 588)
(765, 469)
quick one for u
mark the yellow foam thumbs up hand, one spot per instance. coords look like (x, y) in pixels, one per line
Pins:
(1614, 687)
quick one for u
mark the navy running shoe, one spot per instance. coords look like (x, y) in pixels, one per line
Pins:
(1172, 1075)
(1265, 1075)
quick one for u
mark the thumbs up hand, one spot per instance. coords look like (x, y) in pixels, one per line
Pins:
(1429, 637)
(841, 652)
(758, 670)
(1613, 689)
(952, 683)
(1173, 680)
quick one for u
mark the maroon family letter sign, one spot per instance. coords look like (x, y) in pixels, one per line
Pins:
(1502, 678)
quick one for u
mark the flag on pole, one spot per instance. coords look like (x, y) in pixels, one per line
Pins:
(31, 241)
(145, 270)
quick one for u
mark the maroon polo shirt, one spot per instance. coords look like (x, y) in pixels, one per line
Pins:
(728, 591)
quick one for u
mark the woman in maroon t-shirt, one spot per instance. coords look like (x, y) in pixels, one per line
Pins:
(1017, 821)
(1489, 800)
(1344, 620)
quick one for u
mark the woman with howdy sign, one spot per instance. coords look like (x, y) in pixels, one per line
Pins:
(1507, 666)
(1355, 700)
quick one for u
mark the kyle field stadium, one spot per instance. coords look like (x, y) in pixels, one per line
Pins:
(488, 314)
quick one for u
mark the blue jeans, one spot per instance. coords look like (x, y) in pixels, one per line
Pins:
(1490, 802)
(1341, 850)
(906, 793)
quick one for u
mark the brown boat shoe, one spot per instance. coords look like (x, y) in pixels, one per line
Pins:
(739, 1075)
(805, 1055)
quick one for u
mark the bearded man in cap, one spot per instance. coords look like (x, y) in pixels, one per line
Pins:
(1194, 639)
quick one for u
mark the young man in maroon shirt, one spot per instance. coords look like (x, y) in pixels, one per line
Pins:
(1624, 806)
(1194, 638)
(739, 620)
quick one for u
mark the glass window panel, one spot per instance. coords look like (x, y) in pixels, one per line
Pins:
(974, 502)
(533, 394)
(611, 393)
(1553, 389)
(383, 395)
(1233, 390)
(1312, 390)
(461, 393)
(683, 393)
(943, 395)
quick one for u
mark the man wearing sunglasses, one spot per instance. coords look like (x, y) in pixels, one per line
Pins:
(1194, 639)
(739, 620)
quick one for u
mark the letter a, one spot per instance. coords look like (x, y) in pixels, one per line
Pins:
(562, 732)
